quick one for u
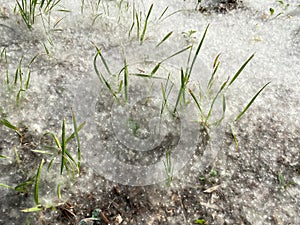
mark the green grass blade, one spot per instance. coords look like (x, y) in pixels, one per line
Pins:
(37, 182)
(18, 97)
(6, 123)
(24, 187)
(197, 51)
(196, 101)
(28, 80)
(33, 59)
(164, 99)
(46, 49)
(42, 152)
(23, 13)
(163, 13)
(146, 24)
(3, 157)
(33, 209)
(126, 73)
(73, 134)
(137, 25)
(7, 186)
(50, 165)
(120, 86)
(164, 39)
(77, 140)
(165, 95)
(59, 191)
(101, 77)
(42, 3)
(240, 70)
(63, 146)
(218, 122)
(17, 155)
(215, 68)
(57, 142)
(251, 102)
(103, 59)
(131, 28)
(176, 53)
(3, 55)
(181, 90)
(155, 69)
(212, 78)
(233, 132)
(214, 100)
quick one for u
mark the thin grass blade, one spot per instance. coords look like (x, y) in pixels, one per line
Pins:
(3, 157)
(102, 59)
(63, 146)
(197, 51)
(180, 91)
(6, 186)
(57, 142)
(126, 73)
(176, 53)
(196, 101)
(218, 122)
(251, 102)
(214, 100)
(102, 78)
(215, 68)
(37, 182)
(24, 186)
(164, 39)
(6, 123)
(73, 134)
(33, 209)
(155, 69)
(77, 140)
(240, 70)
(146, 23)
(163, 13)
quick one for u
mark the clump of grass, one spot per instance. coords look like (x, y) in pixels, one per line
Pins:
(137, 22)
(123, 84)
(205, 118)
(185, 75)
(28, 10)
(61, 151)
(21, 79)
(67, 160)
(19, 76)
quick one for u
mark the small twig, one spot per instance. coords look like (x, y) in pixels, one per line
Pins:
(102, 215)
